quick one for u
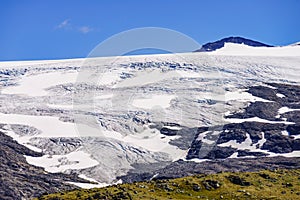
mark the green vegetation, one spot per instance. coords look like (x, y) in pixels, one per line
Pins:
(274, 184)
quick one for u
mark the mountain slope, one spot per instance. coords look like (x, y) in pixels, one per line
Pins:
(156, 116)
(20, 180)
(275, 184)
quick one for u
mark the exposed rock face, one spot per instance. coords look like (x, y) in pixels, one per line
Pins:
(264, 110)
(168, 132)
(238, 180)
(182, 168)
(242, 153)
(220, 153)
(272, 133)
(19, 180)
(211, 46)
(211, 184)
(291, 94)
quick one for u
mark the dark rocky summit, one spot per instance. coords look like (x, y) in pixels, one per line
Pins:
(20, 180)
(212, 46)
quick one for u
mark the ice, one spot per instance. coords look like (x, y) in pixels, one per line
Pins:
(152, 140)
(35, 85)
(146, 77)
(162, 101)
(61, 163)
(243, 97)
(50, 126)
(60, 106)
(195, 91)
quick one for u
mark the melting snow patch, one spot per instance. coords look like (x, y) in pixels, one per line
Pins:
(242, 146)
(262, 141)
(88, 185)
(285, 133)
(280, 95)
(173, 127)
(255, 119)
(286, 109)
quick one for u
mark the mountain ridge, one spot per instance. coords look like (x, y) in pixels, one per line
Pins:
(212, 46)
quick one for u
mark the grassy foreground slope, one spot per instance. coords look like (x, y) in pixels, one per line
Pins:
(275, 184)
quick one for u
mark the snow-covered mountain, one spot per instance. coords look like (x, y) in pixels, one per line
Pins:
(212, 46)
(238, 46)
(139, 117)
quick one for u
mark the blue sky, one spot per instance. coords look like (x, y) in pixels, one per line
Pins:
(55, 29)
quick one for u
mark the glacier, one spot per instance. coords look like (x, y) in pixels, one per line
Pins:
(103, 117)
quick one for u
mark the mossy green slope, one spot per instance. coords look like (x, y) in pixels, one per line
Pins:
(276, 184)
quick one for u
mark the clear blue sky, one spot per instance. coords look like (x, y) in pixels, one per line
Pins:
(52, 29)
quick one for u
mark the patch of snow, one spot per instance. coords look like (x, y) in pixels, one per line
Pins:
(262, 141)
(286, 109)
(280, 95)
(196, 160)
(88, 185)
(234, 155)
(291, 154)
(87, 178)
(285, 133)
(172, 127)
(296, 136)
(255, 119)
(247, 144)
